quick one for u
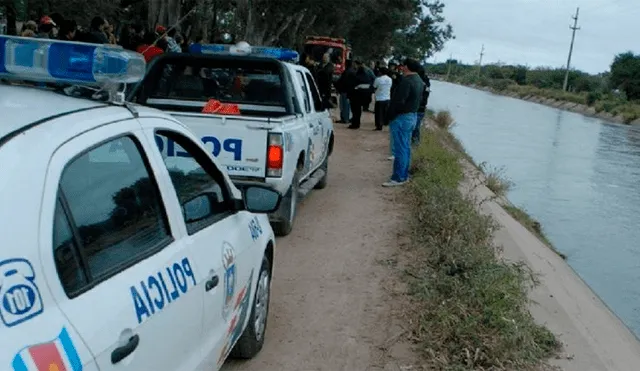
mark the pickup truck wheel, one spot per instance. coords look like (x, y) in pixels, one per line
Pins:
(288, 208)
(252, 339)
(323, 182)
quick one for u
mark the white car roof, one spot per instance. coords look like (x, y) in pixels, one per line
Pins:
(22, 105)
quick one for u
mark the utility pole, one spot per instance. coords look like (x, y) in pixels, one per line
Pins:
(480, 62)
(574, 28)
(449, 65)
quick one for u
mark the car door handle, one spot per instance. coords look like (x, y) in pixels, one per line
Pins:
(212, 283)
(122, 352)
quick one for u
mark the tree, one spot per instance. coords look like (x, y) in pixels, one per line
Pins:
(426, 32)
(625, 74)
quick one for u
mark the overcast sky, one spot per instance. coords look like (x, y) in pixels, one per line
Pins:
(536, 32)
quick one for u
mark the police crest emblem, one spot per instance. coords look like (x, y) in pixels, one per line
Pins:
(229, 264)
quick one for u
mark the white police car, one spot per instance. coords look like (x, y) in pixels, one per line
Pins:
(113, 257)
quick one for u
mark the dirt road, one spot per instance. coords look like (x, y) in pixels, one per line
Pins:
(333, 304)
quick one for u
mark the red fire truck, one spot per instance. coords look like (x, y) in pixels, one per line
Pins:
(316, 46)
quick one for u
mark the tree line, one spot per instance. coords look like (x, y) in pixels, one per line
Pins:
(374, 28)
(622, 80)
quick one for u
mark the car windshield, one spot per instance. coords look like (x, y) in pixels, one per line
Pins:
(317, 51)
(245, 82)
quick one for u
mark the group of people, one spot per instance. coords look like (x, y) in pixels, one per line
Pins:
(149, 43)
(401, 93)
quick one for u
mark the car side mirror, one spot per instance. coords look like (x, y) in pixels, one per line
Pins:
(261, 199)
(199, 207)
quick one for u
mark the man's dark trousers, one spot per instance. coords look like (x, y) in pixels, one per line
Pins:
(381, 113)
(356, 111)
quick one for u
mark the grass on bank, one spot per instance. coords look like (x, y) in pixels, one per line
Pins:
(471, 306)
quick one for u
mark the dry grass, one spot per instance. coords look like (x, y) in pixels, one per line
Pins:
(496, 181)
(470, 306)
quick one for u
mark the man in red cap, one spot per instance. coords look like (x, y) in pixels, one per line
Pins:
(46, 28)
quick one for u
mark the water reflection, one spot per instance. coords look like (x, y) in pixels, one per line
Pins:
(576, 175)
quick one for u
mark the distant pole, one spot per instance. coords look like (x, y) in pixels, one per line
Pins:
(480, 62)
(574, 28)
(449, 65)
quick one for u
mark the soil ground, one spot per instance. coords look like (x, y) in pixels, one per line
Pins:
(337, 299)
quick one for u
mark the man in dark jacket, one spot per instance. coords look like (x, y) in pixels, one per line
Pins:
(359, 91)
(415, 136)
(405, 102)
(96, 33)
(342, 88)
(324, 77)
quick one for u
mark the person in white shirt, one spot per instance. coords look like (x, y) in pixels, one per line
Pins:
(382, 85)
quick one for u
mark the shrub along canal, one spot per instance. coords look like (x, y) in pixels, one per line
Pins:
(577, 176)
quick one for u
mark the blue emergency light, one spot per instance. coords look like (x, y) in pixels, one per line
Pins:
(45, 60)
(282, 54)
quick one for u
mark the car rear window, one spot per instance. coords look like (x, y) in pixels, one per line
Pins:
(248, 82)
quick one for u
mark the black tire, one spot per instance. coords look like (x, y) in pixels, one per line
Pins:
(252, 339)
(288, 209)
(323, 182)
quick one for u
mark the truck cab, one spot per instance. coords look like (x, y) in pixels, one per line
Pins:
(263, 118)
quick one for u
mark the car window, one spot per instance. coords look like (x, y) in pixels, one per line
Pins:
(199, 185)
(305, 94)
(315, 93)
(109, 214)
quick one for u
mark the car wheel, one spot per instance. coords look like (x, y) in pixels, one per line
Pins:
(252, 339)
(288, 208)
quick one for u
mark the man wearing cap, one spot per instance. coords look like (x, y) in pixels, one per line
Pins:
(402, 113)
(46, 28)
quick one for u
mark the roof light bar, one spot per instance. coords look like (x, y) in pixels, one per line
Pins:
(45, 60)
(285, 55)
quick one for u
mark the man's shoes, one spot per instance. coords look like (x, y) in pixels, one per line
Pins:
(377, 129)
(393, 183)
(340, 122)
(353, 127)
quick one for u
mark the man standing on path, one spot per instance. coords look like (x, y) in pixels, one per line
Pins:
(403, 109)
(415, 136)
(359, 89)
(382, 84)
(342, 88)
(324, 77)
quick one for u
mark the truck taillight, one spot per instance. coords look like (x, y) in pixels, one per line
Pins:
(275, 155)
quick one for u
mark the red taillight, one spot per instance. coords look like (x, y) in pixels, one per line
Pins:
(275, 155)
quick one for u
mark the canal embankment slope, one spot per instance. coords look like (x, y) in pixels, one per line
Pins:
(579, 108)
(593, 337)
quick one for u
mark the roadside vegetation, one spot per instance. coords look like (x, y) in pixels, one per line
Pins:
(616, 92)
(471, 306)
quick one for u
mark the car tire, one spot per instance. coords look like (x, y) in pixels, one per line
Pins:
(288, 209)
(323, 182)
(252, 339)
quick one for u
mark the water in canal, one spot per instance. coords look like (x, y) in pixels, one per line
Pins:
(577, 175)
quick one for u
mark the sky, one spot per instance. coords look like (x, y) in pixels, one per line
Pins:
(536, 32)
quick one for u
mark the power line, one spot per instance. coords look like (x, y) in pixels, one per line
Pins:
(480, 61)
(574, 28)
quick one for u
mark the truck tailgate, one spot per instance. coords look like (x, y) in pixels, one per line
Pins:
(239, 144)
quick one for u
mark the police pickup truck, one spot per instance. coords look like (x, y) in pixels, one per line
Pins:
(114, 256)
(262, 117)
